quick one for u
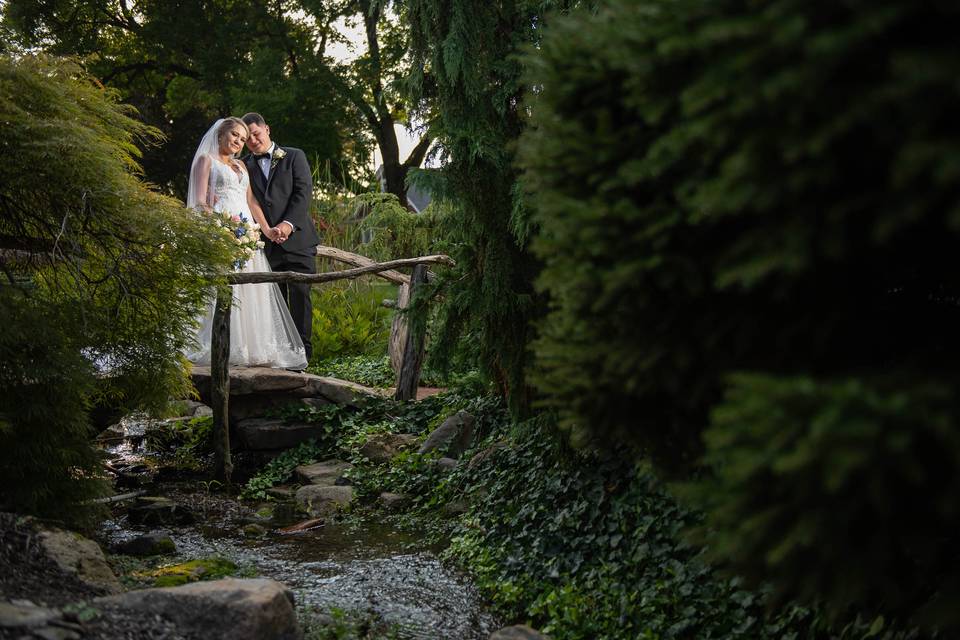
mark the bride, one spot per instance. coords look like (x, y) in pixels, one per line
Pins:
(262, 332)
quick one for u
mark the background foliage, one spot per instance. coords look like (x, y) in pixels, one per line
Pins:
(775, 189)
(467, 70)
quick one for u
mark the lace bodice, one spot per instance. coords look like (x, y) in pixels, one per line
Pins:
(229, 188)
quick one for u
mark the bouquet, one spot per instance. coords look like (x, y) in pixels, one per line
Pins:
(245, 233)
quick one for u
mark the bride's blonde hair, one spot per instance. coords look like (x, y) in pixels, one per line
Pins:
(227, 126)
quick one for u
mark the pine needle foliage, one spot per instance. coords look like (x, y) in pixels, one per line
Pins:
(749, 217)
(733, 185)
(106, 274)
(466, 54)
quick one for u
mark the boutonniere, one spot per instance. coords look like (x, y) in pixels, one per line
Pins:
(278, 155)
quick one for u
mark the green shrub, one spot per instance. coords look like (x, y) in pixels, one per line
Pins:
(372, 371)
(348, 319)
(845, 488)
(587, 547)
(103, 280)
(730, 186)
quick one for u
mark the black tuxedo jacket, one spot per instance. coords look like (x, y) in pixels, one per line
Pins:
(286, 195)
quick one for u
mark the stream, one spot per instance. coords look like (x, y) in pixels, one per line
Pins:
(369, 568)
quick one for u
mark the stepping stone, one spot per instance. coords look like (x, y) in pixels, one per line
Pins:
(325, 473)
(393, 501)
(151, 544)
(261, 434)
(320, 501)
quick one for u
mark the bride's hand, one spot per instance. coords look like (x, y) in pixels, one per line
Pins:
(271, 233)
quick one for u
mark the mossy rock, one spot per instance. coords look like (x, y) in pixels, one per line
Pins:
(193, 571)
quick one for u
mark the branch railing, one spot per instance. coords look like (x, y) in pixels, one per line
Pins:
(408, 362)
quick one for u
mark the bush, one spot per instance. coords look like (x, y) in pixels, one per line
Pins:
(842, 490)
(724, 187)
(103, 280)
(730, 187)
(348, 320)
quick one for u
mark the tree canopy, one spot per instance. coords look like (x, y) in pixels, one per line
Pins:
(185, 64)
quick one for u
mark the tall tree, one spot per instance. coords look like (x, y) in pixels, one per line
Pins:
(374, 81)
(468, 70)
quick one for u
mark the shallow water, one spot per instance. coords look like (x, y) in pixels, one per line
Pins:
(371, 568)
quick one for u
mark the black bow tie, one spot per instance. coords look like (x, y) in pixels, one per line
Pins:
(260, 156)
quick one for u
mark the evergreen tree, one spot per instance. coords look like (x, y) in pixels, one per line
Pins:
(749, 219)
(470, 75)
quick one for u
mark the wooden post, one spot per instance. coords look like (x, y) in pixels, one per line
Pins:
(408, 378)
(398, 330)
(220, 384)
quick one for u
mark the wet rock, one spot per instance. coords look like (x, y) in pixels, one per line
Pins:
(254, 530)
(274, 433)
(485, 455)
(320, 501)
(133, 476)
(82, 557)
(382, 447)
(453, 437)
(282, 492)
(393, 501)
(112, 434)
(154, 510)
(25, 615)
(219, 610)
(151, 544)
(325, 473)
(518, 632)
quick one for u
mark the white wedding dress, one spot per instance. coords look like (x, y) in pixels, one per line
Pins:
(262, 333)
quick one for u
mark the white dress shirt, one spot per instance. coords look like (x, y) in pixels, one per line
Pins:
(265, 168)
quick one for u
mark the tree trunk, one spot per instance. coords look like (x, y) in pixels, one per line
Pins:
(409, 378)
(220, 385)
(398, 330)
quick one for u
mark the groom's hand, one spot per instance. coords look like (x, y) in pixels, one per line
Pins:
(284, 229)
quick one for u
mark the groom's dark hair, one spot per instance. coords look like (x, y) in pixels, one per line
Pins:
(254, 118)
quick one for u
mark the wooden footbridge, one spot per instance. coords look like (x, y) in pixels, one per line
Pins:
(406, 345)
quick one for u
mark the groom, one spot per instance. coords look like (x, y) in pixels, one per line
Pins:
(282, 184)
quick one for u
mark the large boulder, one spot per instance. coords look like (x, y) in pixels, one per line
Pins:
(453, 437)
(82, 557)
(380, 448)
(326, 473)
(265, 434)
(319, 500)
(220, 609)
